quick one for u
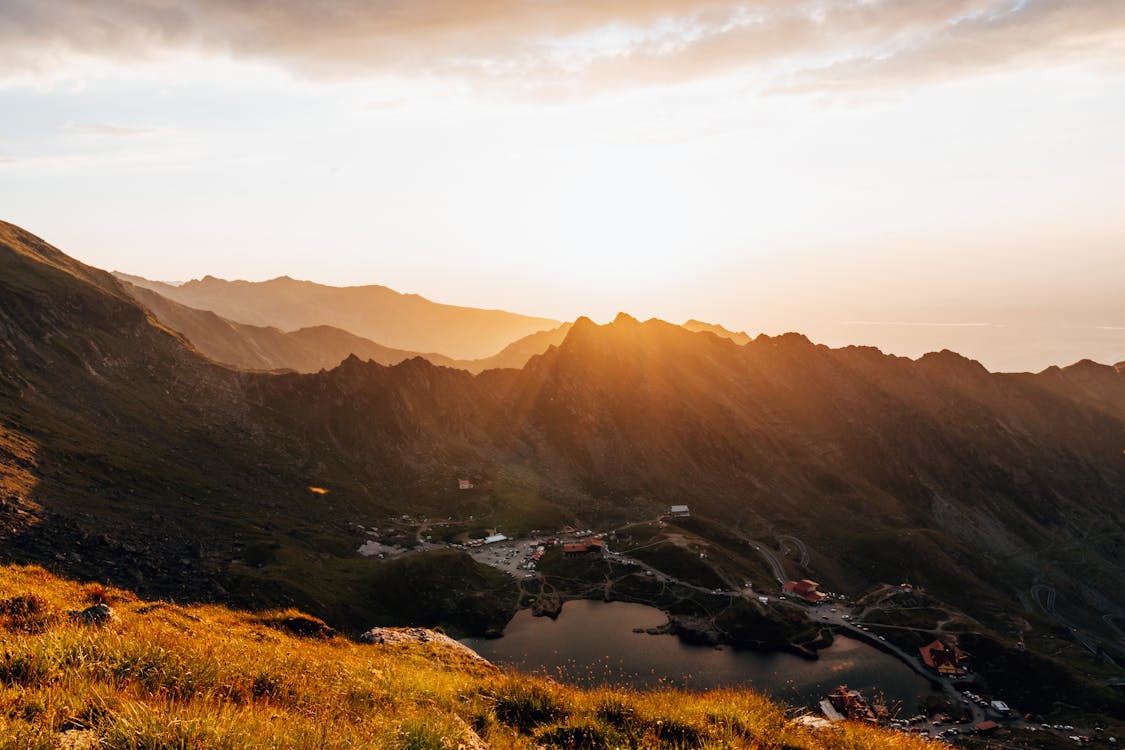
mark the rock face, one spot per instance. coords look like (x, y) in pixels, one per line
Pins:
(392, 636)
(96, 614)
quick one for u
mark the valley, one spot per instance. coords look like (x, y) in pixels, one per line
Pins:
(130, 459)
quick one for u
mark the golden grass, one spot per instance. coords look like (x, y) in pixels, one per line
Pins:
(204, 677)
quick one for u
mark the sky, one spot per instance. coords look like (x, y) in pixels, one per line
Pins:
(912, 175)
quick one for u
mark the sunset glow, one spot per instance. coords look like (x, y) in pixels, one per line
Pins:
(769, 166)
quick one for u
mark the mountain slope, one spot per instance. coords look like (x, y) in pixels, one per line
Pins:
(130, 458)
(125, 447)
(399, 321)
(267, 348)
(164, 675)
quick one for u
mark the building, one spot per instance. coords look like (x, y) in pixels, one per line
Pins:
(851, 704)
(805, 590)
(464, 484)
(580, 549)
(1001, 708)
(986, 727)
(494, 538)
(679, 511)
(945, 658)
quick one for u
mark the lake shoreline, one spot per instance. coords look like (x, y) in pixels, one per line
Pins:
(592, 641)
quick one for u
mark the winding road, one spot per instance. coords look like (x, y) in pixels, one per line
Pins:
(803, 551)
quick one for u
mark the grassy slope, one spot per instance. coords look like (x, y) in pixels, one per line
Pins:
(162, 676)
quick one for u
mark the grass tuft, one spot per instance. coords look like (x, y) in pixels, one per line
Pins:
(524, 704)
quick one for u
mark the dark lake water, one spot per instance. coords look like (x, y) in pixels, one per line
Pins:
(593, 643)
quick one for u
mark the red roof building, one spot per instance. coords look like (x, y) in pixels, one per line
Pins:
(985, 727)
(574, 549)
(944, 658)
(805, 590)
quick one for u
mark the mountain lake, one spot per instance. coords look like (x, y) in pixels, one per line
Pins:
(593, 643)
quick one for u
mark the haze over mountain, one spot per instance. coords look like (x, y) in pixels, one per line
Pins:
(309, 349)
(398, 321)
(128, 456)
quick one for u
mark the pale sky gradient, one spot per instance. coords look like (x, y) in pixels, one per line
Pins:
(839, 167)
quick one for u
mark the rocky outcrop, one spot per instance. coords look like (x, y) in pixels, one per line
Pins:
(95, 614)
(395, 636)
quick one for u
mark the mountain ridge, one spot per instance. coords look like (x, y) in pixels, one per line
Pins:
(307, 349)
(128, 457)
(408, 322)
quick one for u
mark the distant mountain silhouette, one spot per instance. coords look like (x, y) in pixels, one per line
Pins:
(737, 337)
(125, 455)
(406, 322)
(313, 348)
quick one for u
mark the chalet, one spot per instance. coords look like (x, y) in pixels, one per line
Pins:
(947, 659)
(679, 511)
(580, 549)
(805, 590)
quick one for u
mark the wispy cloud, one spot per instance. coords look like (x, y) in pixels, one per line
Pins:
(560, 45)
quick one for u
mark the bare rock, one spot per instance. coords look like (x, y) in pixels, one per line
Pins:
(95, 614)
(394, 636)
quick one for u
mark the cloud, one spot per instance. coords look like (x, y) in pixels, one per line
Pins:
(109, 130)
(577, 45)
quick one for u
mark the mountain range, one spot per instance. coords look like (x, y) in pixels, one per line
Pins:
(127, 455)
(310, 349)
(399, 321)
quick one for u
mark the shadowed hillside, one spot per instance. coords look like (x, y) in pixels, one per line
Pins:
(127, 457)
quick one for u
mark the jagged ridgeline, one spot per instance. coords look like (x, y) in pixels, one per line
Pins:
(129, 457)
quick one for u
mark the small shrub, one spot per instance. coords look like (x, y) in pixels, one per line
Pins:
(525, 705)
(28, 613)
(23, 669)
(574, 737)
(418, 735)
(617, 712)
(675, 733)
(266, 685)
(95, 593)
(301, 625)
